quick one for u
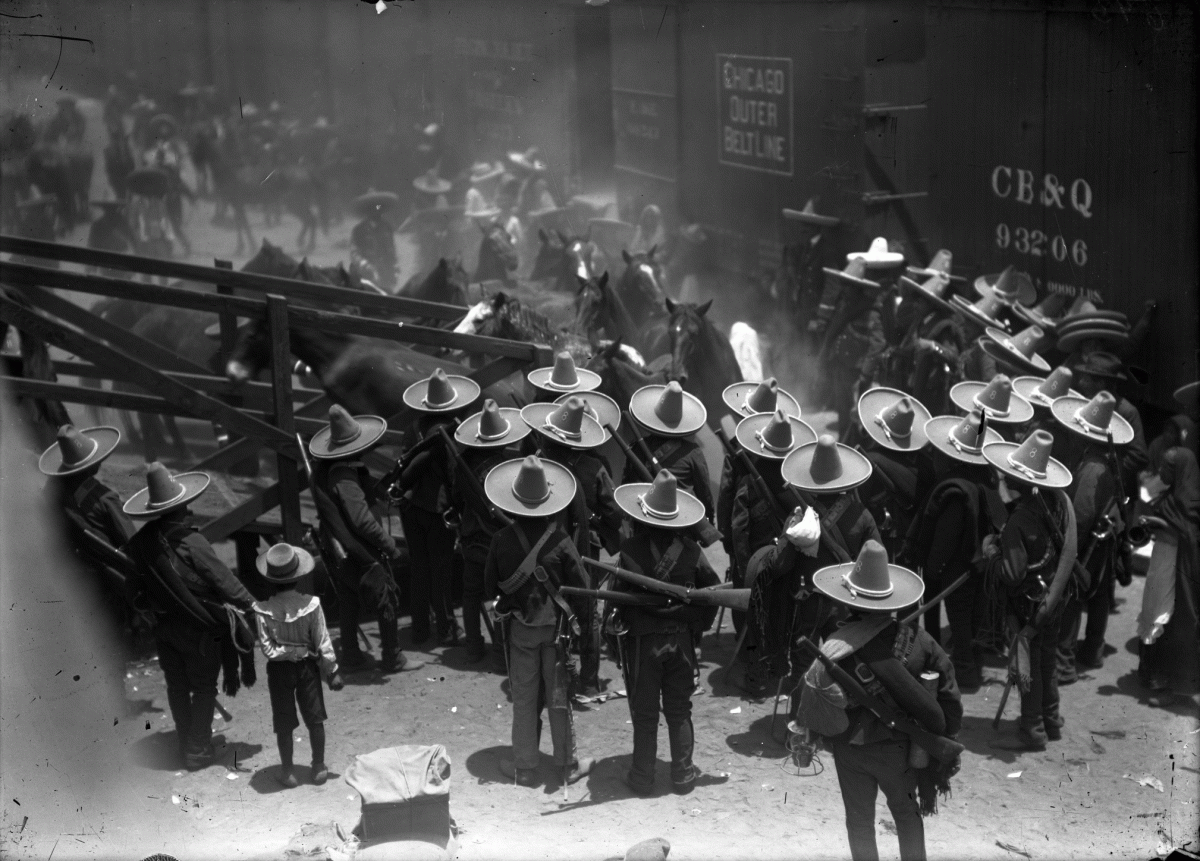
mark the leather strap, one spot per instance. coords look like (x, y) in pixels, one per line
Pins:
(518, 578)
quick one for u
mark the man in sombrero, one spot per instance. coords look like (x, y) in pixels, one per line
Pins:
(1101, 371)
(925, 361)
(373, 238)
(527, 563)
(188, 585)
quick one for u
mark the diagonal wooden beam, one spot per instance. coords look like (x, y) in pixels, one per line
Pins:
(243, 448)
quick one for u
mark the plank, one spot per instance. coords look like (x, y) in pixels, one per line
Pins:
(281, 382)
(223, 458)
(251, 394)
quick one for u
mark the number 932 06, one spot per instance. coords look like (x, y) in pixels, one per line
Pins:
(1036, 243)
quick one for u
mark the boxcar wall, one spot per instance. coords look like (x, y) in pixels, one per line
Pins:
(1063, 143)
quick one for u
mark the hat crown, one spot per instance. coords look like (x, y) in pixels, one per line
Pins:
(568, 418)
(879, 247)
(936, 285)
(492, 423)
(439, 392)
(669, 408)
(996, 395)
(1098, 412)
(870, 575)
(343, 429)
(1006, 283)
(75, 447)
(282, 560)
(1057, 384)
(1033, 454)
(970, 431)
(827, 460)
(764, 397)
(161, 486)
(1052, 304)
(564, 376)
(1026, 340)
(898, 418)
(662, 499)
(856, 268)
(777, 435)
(989, 305)
(530, 486)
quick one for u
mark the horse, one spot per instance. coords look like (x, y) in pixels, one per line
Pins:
(497, 256)
(622, 370)
(599, 308)
(640, 290)
(699, 352)
(445, 283)
(563, 258)
(503, 316)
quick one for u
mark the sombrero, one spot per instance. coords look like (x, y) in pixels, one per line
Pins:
(1042, 392)
(667, 410)
(376, 200)
(877, 256)
(1010, 287)
(853, 274)
(1030, 462)
(563, 376)
(1047, 313)
(437, 218)
(566, 424)
(482, 171)
(893, 419)
(939, 266)
(772, 435)
(1017, 350)
(39, 200)
(808, 215)
(530, 487)
(76, 450)
(345, 435)
(996, 398)
(932, 289)
(1100, 364)
(164, 492)
(283, 563)
(826, 466)
(430, 183)
(983, 312)
(148, 182)
(478, 207)
(1188, 396)
(164, 121)
(602, 408)
(749, 398)
(870, 582)
(1114, 336)
(1093, 419)
(527, 161)
(441, 393)
(962, 438)
(660, 503)
(492, 427)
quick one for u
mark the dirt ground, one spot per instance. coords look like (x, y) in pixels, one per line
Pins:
(87, 771)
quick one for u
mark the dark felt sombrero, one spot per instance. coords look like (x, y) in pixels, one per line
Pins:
(1093, 323)
(375, 200)
(601, 407)
(1099, 363)
(809, 215)
(530, 487)
(1093, 419)
(346, 435)
(933, 289)
(752, 397)
(870, 583)
(962, 438)
(492, 427)
(1030, 462)
(565, 423)
(441, 393)
(853, 274)
(772, 435)
(1017, 350)
(78, 449)
(660, 503)
(878, 256)
(1010, 287)
(563, 376)
(164, 492)
(1114, 338)
(995, 397)
(1188, 396)
(940, 265)
(667, 410)
(893, 419)
(284, 563)
(826, 466)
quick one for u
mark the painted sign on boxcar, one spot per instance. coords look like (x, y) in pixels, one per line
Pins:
(754, 105)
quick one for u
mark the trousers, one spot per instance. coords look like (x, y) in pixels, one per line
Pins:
(862, 771)
(191, 662)
(661, 665)
(538, 678)
(961, 611)
(1039, 707)
(350, 613)
(474, 560)
(430, 552)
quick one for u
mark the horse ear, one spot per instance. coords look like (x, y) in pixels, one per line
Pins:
(583, 283)
(650, 253)
(671, 306)
(625, 255)
(701, 310)
(603, 280)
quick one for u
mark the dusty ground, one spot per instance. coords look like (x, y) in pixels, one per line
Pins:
(82, 778)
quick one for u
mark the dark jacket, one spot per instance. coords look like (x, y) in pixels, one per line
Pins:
(643, 552)
(476, 526)
(684, 459)
(344, 482)
(426, 479)
(745, 519)
(595, 493)
(98, 505)
(202, 572)
(531, 603)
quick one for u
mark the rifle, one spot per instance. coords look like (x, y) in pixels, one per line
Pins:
(1126, 547)
(472, 480)
(937, 599)
(941, 748)
(647, 455)
(631, 598)
(738, 454)
(735, 599)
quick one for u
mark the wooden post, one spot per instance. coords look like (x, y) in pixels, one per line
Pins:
(228, 320)
(281, 378)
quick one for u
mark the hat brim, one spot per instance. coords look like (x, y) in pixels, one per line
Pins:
(1065, 408)
(688, 509)
(440, 187)
(907, 588)
(1116, 317)
(466, 391)
(370, 201)
(846, 278)
(587, 380)
(106, 439)
(467, 431)
(1027, 387)
(497, 484)
(811, 218)
(1026, 292)
(1057, 475)
(887, 260)
(194, 484)
(305, 566)
(963, 394)
(486, 214)
(1188, 396)
(591, 434)
(1069, 341)
(1036, 318)
(974, 315)
(939, 429)
(1107, 325)
(431, 219)
(920, 292)
(736, 395)
(645, 399)
(321, 445)
(607, 410)
(748, 428)
(874, 401)
(994, 345)
(797, 469)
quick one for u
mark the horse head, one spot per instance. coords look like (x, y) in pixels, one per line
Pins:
(497, 254)
(446, 283)
(686, 330)
(622, 370)
(592, 311)
(640, 284)
(271, 260)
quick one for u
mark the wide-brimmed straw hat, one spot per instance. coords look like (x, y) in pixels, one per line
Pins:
(441, 393)
(962, 438)
(374, 201)
(1043, 392)
(660, 503)
(809, 215)
(940, 265)
(893, 419)
(1093, 419)
(430, 183)
(877, 256)
(346, 435)
(566, 424)
(284, 563)
(164, 492)
(563, 376)
(854, 274)
(492, 427)
(870, 582)
(1030, 462)
(1018, 350)
(478, 207)
(826, 466)
(933, 289)
(983, 312)
(483, 171)
(602, 408)
(1010, 287)
(773, 435)
(667, 410)
(530, 487)
(1188, 396)
(75, 449)
(1047, 313)
(996, 398)
(765, 396)
(1100, 363)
